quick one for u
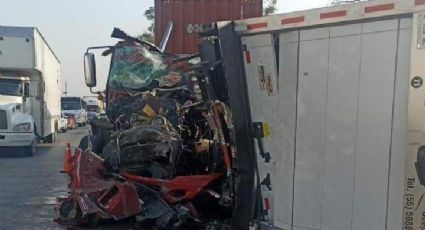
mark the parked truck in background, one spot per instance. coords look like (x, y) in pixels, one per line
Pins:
(76, 107)
(29, 89)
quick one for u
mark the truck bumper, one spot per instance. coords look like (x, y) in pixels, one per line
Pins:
(16, 139)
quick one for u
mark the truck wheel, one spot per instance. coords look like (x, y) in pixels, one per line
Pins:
(30, 150)
(84, 143)
(51, 138)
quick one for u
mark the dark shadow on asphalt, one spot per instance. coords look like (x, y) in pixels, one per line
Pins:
(8, 152)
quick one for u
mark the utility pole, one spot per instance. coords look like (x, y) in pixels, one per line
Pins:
(65, 93)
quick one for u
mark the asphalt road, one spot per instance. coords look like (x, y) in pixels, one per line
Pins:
(29, 186)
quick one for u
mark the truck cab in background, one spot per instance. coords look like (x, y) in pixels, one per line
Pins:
(17, 128)
(76, 107)
(93, 107)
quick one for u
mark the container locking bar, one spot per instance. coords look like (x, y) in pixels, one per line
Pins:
(261, 130)
(267, 182)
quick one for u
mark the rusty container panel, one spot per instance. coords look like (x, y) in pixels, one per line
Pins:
(188, 14)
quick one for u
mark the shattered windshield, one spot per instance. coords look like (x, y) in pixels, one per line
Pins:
(136, 68)
(10, 87)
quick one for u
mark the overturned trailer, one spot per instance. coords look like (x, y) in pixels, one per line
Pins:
(341, 89)
(307, 120)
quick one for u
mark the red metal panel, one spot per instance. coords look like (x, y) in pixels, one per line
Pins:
(334, 14)
(293, 20)
(235, 9)
(377, 8)
(260, 25)
(189, 39)
(248, 56)
(158, 21)
(186, 12)
(256, 8)
(222, 13)
(200, 11)
(179, 23)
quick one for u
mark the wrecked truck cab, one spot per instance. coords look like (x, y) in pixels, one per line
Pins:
(135, 70)
(165, 136)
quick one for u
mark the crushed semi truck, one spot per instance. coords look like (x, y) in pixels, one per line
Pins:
(29, 89)
(306, 120)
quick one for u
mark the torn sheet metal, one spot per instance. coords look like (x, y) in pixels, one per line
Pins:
(95, 195)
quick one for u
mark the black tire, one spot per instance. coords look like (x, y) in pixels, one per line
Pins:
(84, 143)
(48, 139)
(30, 150)
(51, 138)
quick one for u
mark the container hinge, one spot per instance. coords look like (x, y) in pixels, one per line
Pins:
(267, 182)
(244, 47)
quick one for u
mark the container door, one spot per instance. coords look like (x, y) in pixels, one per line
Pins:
(17, 51)
(340, 133)
(283, 127)
(337, 123)
(310, 130)
(374, 124)
(263, 85)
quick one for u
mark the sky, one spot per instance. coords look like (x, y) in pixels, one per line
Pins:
(71, 26)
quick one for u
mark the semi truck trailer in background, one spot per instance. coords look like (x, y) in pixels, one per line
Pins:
(29, 89)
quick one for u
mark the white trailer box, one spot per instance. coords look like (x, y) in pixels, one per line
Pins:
(342, 91)
(24, 53)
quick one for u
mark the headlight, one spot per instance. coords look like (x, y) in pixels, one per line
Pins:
(24, 127)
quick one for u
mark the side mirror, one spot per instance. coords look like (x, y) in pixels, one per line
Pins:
(26, 89)
(90, 69)
(40, 92)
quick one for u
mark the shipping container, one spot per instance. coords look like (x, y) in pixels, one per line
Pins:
(188, 15)
(339, 95)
